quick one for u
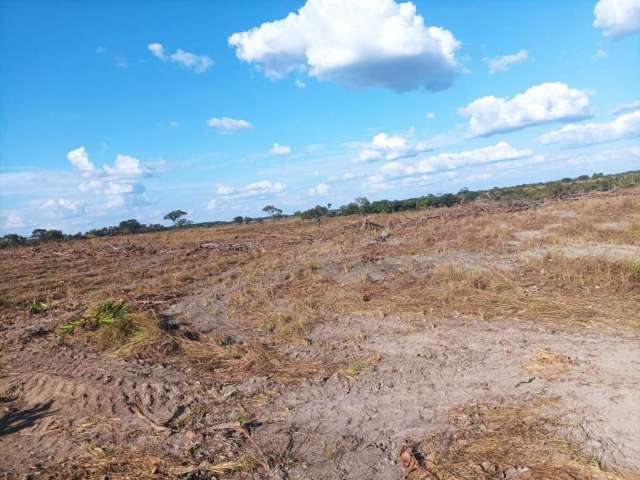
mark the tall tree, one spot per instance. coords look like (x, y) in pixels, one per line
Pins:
(273, 211)
(174, 216)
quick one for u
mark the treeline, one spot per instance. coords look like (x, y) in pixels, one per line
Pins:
(567, 187)
(39, 235)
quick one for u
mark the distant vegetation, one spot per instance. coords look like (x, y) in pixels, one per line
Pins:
(567, 187)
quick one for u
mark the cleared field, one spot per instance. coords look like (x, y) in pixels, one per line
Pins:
(481, 341)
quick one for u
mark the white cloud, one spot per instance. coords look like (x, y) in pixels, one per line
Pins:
(300, 84)
(14, 221)
(431, 115)
(392, 143)
(368, 155)
(157, 50)
(228, 125)
(500, 64)
(280, 149)
(79, 158)
(357, 43)
(197, 63)
(540, 104)
(117, 182)
(174, 124)
(617, 18)
(124, 167)
(62, 204)
(625, 126)
(225, 190)
(500, 152)
(626, 107)
(319, 190)
(93, 186)
(263, 187)
(389, 147)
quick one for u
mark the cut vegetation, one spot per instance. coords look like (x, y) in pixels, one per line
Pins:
(491, 339)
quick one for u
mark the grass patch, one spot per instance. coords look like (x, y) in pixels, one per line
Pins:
(37, 306)
(112, 324)
(109, 312)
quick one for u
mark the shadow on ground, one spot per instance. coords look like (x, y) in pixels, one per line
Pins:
(16, 420)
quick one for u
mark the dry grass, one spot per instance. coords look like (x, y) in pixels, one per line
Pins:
(278, 280)
(521, 440)
(548, 364)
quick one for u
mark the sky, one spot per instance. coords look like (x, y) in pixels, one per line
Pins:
(129, 109)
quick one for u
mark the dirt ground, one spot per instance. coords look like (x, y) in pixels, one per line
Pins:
(482, 341)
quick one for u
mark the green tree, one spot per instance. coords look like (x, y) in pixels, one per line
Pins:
(174, 216)
(273, 211)
(130, 226)
(316, 213)
(363, 204)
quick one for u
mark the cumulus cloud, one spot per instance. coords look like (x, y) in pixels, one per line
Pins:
(626, 107)
(197, 63)
(228, 125)
(625, 126)
(157, 50)
(263, 187)
(319, 190)
(540, 104)
(278, 149)
(389, 147)
(617, 18)
(125, 166)
(500, 64)
(63, 204)
(79, 158)
(357, 43)
(431, 115)
(62, 209)
(300, 83)
(500, 152)
(118, 182)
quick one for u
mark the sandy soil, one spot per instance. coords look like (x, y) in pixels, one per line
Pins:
(321, 351)
(353, 428)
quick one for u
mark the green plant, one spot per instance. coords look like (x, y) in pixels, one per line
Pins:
(67, 328)
(37, 306)
(109, 312)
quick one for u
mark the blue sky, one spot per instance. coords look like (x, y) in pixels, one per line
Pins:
(116, 110)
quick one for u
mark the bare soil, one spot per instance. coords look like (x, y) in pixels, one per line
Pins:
(479, 342)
